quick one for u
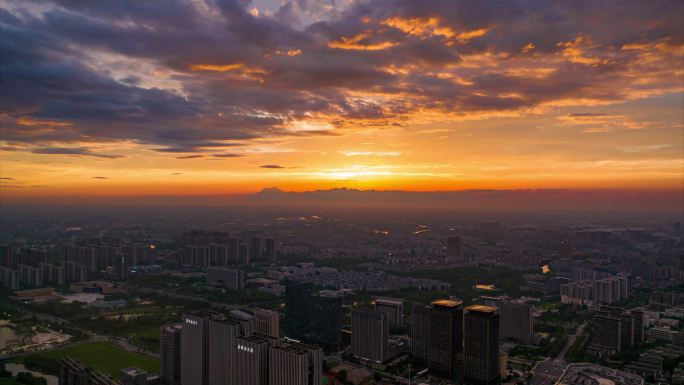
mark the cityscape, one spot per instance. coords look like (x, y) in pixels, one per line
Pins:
(120, 299)
(341, 192)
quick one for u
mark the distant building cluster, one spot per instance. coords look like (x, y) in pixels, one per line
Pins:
(354, 280)
(24, 267)
(596, 289)
(213, 248)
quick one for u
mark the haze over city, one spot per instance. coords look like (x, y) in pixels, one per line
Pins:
(341, 192)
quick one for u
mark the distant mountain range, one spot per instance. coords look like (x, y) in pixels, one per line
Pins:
(475, 199)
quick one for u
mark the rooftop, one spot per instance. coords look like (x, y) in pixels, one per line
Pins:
(481, 309)
(447, 302)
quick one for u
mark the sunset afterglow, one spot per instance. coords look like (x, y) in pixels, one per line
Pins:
(222, 97)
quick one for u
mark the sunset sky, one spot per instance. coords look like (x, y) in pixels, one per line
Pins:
(124, 98)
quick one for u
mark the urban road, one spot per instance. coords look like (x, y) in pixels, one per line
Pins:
(550, 371)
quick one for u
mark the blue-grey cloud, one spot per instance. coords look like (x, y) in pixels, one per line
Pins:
(50, 70)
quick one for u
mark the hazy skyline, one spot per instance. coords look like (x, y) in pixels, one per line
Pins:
(209, 97)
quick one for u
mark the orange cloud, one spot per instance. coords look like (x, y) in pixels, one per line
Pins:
(356, 43)
(241, 67)
(431, 27)
(35, 122)
(576, 52)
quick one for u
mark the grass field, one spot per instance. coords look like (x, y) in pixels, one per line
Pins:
(102, 356)
(147, 337)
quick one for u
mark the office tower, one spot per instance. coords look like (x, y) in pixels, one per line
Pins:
(245, 319)
(446, 339)
(294, 363)
(233, 250)
(122, 266)
(626, 330)
(420, 332)
(454, 248)
(243, 254)
(222, 332)
(250, 359)
(73, 372)
(188, 257)
(481, 345)
(267, 322)
(218, 254)
(638, 315)
(607, 333)
(270, 253)
(516, 321)
(133, 376)
(370, 335)
(315, 319)
(201, 256)
(170, 352)
(394, 309)
(206, 342)
(194, 340)
(225, 277)
(326, 321)
(256, 248)
(298, 303)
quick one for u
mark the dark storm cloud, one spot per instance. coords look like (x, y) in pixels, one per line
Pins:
(236, 77)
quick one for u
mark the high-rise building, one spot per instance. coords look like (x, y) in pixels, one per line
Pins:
(256, 248)
(607, 334)
(326, 321)
(234, 250)
(626, 330)
(295, 363)
(170, 352)
(250, 359)
(516, 321)
(194, 348)
(394, 309)
(270, 253)
(221, 337)
(454, 251)
(267, 322)
(243, 254)
(446, 339)
(73, 372)
(298, 304)
(122, 267)
(206, 342)
(638, 326)
(315, 319)
(420, 332)
(481, 345)
(370, 335)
